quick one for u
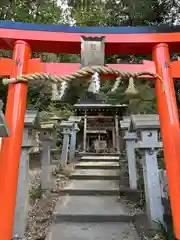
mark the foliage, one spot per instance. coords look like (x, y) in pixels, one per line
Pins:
(166, 228)
(60, 170)
(123, 13)
(33, 11)
(119, 13)
(37, 97)
(90, 13)
(168, 219)
(37, 192)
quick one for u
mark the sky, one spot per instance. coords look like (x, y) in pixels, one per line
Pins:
(62, 3)
(64, 6)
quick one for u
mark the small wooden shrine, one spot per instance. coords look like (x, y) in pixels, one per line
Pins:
(101, 131)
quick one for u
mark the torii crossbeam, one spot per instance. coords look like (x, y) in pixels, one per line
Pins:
(24, 38)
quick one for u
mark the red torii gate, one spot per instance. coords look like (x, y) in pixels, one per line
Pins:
(24, 38)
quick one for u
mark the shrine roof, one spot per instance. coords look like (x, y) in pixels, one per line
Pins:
(99, 105)
(96, 131)
(95, 108)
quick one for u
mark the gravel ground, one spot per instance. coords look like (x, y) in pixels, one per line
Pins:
(40, 210)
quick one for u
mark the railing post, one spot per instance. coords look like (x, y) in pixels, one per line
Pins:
(72, 148)
(11, 146)
(130, 138)
(169, 122)
(67, 127)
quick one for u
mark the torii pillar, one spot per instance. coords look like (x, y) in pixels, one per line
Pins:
(169, 122)
(11, 146)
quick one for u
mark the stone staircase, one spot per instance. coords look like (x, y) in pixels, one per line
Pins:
(90, 207)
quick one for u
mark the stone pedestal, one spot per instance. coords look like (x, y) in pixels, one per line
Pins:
(117, 134)
(149, 146)
(113, 138)
(152, 187)
(85, 133)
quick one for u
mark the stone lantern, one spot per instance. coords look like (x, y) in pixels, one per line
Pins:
(149, 145)
(47, 135)
(67, 128)
(31, 124)
(75, 129)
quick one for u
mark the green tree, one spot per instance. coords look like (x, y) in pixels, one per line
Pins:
(90, 13)
(33, 11)
(119, 13)
(124, 13)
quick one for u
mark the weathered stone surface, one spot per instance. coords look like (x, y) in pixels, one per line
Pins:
(93, 231)
(93, 185)
(100, 158)
(88, 174)
(98, 172)
(92, 205)
(93, 217)
(98, 164)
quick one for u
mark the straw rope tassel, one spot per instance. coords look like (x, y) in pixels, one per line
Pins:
(131, 90)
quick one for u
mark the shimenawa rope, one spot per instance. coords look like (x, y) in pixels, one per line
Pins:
(80, 73)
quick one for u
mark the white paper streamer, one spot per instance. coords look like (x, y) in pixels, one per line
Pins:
(95, 83)
(62, 89)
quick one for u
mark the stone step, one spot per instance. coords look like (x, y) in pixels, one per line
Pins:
(100, 188)
(97, 165)
(91, 187)
(95, 174)
(97, 154)
(95, 218)
(92, 158)
(93, 231)
(91, 209)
